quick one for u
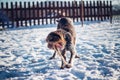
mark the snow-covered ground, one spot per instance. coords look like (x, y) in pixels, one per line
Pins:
(24, 54)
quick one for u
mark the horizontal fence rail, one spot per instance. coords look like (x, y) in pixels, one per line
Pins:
(40, 13)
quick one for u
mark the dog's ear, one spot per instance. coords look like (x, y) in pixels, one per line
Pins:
(68, 37)
(57, 20)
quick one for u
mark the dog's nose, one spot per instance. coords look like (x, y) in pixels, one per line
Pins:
(50, 46)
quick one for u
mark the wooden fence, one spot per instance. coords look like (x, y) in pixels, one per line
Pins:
(40, 13)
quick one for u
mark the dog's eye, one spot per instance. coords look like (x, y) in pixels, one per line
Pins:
(50, 39)
(54, 38)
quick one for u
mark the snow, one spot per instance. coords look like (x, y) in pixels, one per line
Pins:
(24, 54)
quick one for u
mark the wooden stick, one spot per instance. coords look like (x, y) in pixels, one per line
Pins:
(59, 53)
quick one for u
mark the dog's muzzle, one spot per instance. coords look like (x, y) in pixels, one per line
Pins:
(59, 45)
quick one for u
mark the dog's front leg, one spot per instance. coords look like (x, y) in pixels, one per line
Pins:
(64, 63)
(64, 55)
(54, 54)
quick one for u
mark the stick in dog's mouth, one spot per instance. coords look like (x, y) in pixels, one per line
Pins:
(59, 45)
(59, 53)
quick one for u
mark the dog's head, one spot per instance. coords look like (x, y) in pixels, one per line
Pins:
(64, 21)
(56, 39)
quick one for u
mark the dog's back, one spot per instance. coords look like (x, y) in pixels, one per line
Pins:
(67, 25)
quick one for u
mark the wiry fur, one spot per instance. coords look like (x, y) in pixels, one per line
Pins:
(65, 37)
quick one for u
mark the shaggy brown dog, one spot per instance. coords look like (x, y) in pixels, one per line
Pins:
(62, 40)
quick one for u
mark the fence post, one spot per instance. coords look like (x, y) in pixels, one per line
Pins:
(94, 7)
(50, 12)
(33, 12)
(29, 13)
(3, 23)
(73, 11)
(16, 15)
(98, 10)
(46, 9)
(65, 9)
(111, 12)
(91, 12)
(87, 13)
(76, 10)
(58, 4)
(21, 14)
(12, 13)
(61, 9)
(7, 15)
(69, 9)
(104, 10)
(82, 12)
(108, 10)
(101, 12)
(38, 13)
(25, 13)
(54, 9)
(42, 15)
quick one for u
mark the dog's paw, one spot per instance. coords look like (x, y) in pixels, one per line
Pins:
(51, 58)
(76, 56)
(68, 66)
(62, 67)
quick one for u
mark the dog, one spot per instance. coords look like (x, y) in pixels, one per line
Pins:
(62, 40)
(67, 25)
